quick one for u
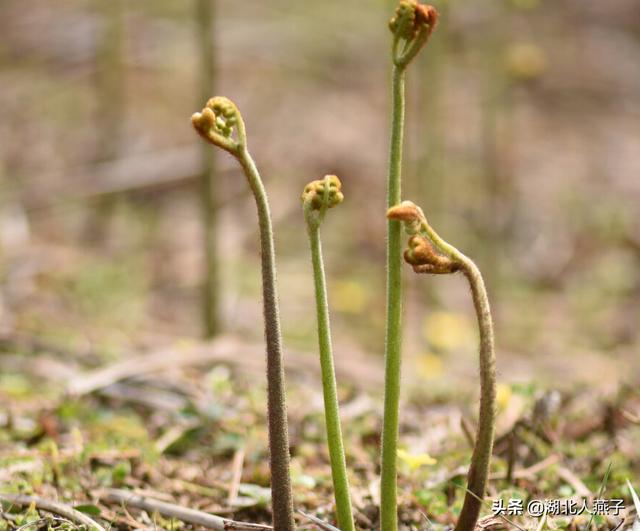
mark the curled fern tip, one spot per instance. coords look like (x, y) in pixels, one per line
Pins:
(412, 23)
(319, 196)
(424, 258)
(221, 124)
(323, 193)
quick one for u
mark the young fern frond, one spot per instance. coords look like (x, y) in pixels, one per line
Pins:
(429, 253)
(221, 124)
(317, 198)
(411, 27)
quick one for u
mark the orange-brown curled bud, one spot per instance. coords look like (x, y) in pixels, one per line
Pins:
(325, 192)
(406, 211)
(426, 15)
(420, 252)
(410, 17)
(410, 214)
(424, 259)
(412, 23)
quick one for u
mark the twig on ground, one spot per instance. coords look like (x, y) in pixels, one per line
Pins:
(576, 483)
(426, 519)
(468, 431)
(236, 476)
(511, 459)
(164, 359)
(146, 396)
(542, 521)
(530, 473)
(115, 517)
(357, 366)
(174, 433)
(41, 521)
(20, 467)
(634, 419)
(321, 524)
(53, 507)
(192, 516)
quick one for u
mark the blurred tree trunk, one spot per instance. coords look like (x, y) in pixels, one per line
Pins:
(111, 104)
(204, 13)
(497, 146)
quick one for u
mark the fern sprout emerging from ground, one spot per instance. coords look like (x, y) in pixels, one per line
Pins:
(317, 198)
(221, 124)
(429, 253)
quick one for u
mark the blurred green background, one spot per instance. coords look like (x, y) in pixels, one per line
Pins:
(523, 147)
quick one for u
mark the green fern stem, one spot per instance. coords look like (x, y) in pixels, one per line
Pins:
(411, 26)
(329, 388)
(317, 198)
(393, 342)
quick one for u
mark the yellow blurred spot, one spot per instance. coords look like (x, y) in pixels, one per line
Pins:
(429, 365)
(503, 396)
(526, 61)
(348, 296)
(448, 331)
(415, 461)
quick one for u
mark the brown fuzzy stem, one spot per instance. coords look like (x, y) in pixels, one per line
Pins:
(481, 458)
(282, 500)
